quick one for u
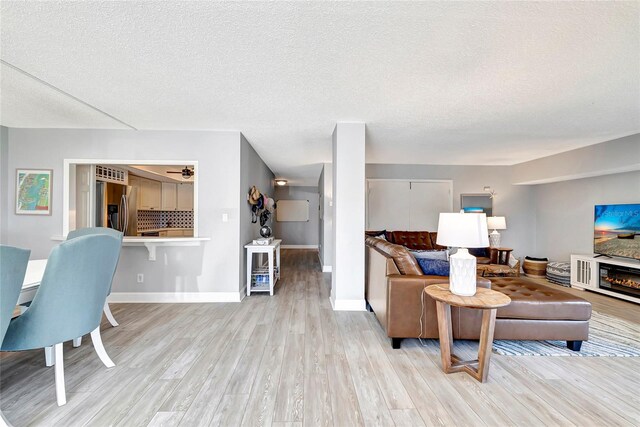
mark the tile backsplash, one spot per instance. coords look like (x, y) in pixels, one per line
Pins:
(148, 220)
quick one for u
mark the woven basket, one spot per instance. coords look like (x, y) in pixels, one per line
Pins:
(535, 268)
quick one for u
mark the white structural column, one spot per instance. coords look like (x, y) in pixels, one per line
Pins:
(347, 278)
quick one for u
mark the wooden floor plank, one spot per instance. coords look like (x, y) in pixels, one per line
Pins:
(165, 419)
(147, 406)
(230, 410)
(314, 352)
(370, 398)
(290, 397)
(204, 405)
(262, 400)
(406, 418)
(344, 401)
(388, 381)
(317, 401)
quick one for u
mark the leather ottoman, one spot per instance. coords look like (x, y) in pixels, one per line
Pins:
(530, 300)
(537, 312)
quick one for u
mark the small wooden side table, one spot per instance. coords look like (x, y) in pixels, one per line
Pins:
(500, 255)
(486, 300)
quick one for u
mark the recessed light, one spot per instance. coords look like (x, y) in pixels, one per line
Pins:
(281, 182)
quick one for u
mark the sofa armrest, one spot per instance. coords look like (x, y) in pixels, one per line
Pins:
(407, 304)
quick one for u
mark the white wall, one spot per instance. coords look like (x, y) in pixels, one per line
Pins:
(299, 233)
(513, 201)
(325, 188)
(564, 211)
(253, 171)
(213, 267)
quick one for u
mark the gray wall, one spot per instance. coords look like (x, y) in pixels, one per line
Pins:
(299, 233)
(212, 267)
(564, 211)
(253, 171)
(615, 156)
(4, 183)
(512, 201)
(325, 225)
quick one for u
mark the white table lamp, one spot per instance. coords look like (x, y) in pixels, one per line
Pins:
(463, 230)
(496, 223)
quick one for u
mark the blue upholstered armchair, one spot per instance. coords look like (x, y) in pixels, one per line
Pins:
(69, 301)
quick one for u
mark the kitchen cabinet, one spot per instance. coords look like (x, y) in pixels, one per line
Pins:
(136, 183)
(149, 194)
(169, 196)
(177, 196)
(184, 199)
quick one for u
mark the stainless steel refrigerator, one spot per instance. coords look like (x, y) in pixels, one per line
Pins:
(116, 207)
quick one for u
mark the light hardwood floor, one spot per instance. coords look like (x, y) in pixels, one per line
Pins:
(289, 360)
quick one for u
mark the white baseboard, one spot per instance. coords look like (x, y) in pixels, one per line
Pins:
(348, 305)
(299, 246)
(175, 297)
(327, 269)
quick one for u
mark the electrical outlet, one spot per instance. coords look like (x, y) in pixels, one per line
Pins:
(140, 278)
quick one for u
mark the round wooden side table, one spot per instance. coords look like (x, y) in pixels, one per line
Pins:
(486, 300)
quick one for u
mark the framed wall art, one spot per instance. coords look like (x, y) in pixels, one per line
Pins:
(33, 191)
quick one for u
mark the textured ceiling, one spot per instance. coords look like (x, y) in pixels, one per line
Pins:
(437, 83)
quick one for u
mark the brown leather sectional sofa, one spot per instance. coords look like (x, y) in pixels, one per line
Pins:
(394, 291)
(426, 240)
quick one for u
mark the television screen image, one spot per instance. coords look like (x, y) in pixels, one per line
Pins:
(617, 230)
(473, 209)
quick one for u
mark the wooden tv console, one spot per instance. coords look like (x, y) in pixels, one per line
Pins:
(585, 274)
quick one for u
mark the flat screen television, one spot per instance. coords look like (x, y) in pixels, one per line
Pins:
(617, 230)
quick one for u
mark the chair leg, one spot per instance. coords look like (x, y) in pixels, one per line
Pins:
(49, 357)
(61, 395)
(77, 342)
(102, 353)
(107, 312)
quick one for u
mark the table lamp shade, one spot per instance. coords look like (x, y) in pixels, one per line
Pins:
(496, 223)
(463, 230)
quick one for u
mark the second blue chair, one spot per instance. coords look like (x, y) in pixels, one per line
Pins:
(99, 230)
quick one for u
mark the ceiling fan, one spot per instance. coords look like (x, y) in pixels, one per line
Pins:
(186, 172)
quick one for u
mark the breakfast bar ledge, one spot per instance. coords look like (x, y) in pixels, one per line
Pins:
(151, 243)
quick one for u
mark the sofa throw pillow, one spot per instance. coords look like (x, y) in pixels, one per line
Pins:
(434, 267)
(430, 254)
(512, 261)
(479, 252)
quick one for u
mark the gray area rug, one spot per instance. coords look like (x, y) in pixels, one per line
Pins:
(609, 336)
